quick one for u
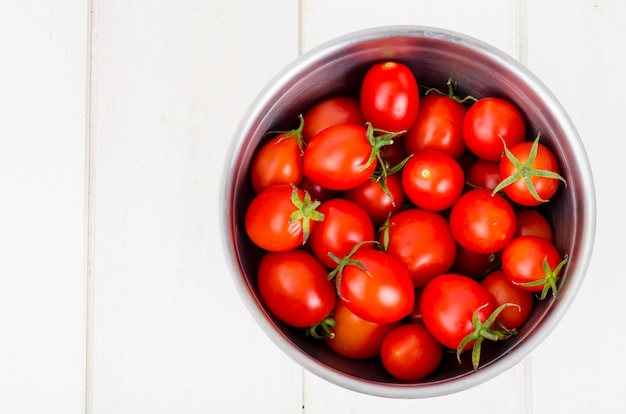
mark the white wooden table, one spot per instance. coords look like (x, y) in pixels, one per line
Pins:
(115, 118)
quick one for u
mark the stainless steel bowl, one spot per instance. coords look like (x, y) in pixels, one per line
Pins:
(435, 55)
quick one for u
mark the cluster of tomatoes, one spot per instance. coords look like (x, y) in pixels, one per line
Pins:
(399, 224)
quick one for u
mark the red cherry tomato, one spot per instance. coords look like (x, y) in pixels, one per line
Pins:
(523, 264)
(389, 96)
(528, 173)
(409, 352)
(422, 241)
(375, 200)
(279, 161)
(472, 264)
(332, 111)
(489, 121)
(483, 174)
(482, 222)
(269, 220)
(503, 291)
(376, 286)
(438, 126)
(432, 180)
(354, 337)
(339, 157)
(295, 288)
(531, 222)
(345, 224)
(448, 303)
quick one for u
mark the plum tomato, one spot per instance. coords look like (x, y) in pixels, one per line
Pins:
(279, 161)
(377, 202)
(374, 285)
(460, 313)
(331, 111)
(389, 96)
(295, 288)
(529, 173)
(281, 217)
(409, 352)
(482, 222)
(489, 122)
(438, 126)
(354, 337)
(503, 291)
(533, 263)
(422, 241)
(432, 180)
(345, 225)
(339, 157)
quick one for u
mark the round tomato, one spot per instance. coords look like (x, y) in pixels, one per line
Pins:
(448, 303)
(295, 288)
(354, 337)
(531, 222)
(279, 161)
(482, 222)
(483, 174)
(332, 111)
(529, 173)
(378, 203)
(438, 126)
(472, 264)
(345, 224)
(489, 122)
(533, 263)
(409, 352)
(281, 217)
(432, 180)
(317, 192)
(393, 153)
(375, 286)
(339, 157)
(422, 241)
(503, 291)
(389, 96)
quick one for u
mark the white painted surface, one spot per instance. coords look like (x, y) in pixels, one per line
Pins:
(115, 118)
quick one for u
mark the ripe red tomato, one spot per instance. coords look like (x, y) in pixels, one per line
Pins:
(375, 286)
(483, 174)
(279, 161)
(339, 157)
(532, 263)
(482, 222)
(332, 111)
(503, 291)
(422, 241)
(394, 153)
(375, 200)
(280, 218)
(531, 222)
(448, 303)
(432, 180)
(389, 96)
(529, 173)
(295, 288)
(409, 352)
(317, 192)
(345, 224)
(354, 337)
(438, 126)
(487, 123)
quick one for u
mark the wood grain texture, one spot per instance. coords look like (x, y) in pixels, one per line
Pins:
(43, 50)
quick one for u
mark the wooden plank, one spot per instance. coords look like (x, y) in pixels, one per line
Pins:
(576, 48)
(43, 50)
(498, 24)
(169, 332)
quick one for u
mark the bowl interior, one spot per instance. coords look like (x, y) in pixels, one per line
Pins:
(435, 56)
